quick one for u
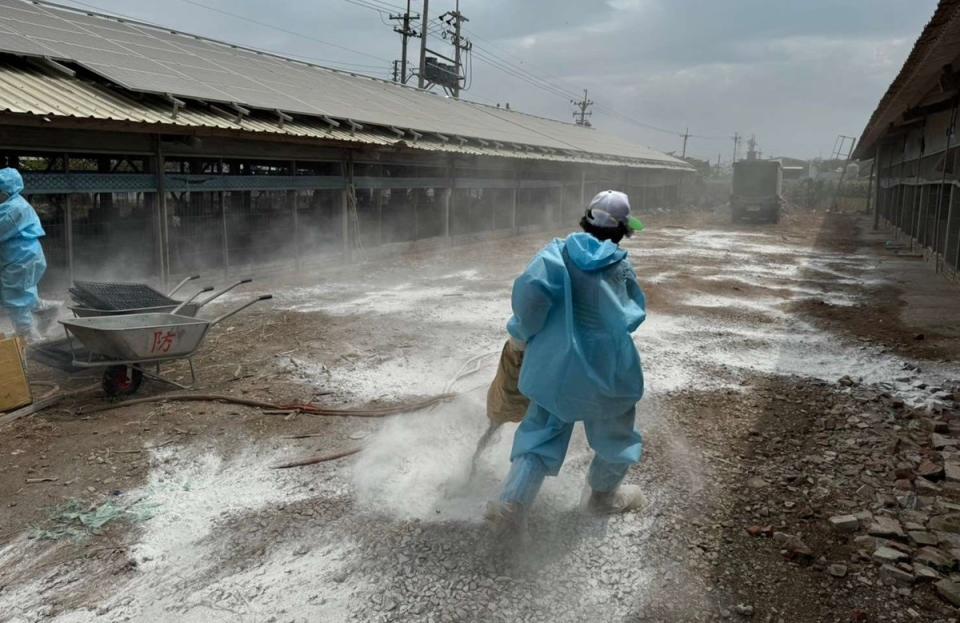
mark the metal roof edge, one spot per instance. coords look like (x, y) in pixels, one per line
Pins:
(946, 13)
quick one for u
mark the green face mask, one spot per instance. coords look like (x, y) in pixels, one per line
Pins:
(635, 224)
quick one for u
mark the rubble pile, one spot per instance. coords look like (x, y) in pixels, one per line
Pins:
(869, 494)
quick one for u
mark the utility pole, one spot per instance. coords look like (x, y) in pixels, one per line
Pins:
(685, 135)
(433, 71)
(396, 71)
(736, 146)
(421, 80)
(456, 19)
(405, 31)
(580, 115)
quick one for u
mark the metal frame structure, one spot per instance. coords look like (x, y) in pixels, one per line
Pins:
(212, 207)
(912, 137)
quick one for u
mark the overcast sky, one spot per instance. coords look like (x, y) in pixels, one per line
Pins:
(794, 72)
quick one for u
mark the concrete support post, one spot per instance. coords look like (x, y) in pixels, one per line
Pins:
(345, 224)
(347, 170)
(448, 199)
(295, 215)
(379, 196)
(68, 224)
(224, 233)
(901, 191)
(163, 233)
(514, 192)
(875, 175)
(951, 214)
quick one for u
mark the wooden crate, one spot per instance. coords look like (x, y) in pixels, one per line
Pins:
(14, 389)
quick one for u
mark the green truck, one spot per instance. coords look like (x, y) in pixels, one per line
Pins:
(757, 190)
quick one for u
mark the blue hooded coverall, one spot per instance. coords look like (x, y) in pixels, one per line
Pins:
(22, 263)
(575, 307)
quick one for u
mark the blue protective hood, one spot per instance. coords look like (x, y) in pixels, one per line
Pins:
(11, 181)
(589, 254)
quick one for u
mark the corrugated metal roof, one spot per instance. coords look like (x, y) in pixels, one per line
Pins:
(36, 91)
(937, 46)
(149, 59)
(32, 89)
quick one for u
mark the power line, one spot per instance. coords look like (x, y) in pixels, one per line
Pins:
(559, 91)
(378, 5)
(332, 63)
(511, 68)
(283, 30)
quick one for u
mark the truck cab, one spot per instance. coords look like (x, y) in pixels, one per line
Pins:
(757, 189)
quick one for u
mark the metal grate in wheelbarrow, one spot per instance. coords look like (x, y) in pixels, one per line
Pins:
(117, 296)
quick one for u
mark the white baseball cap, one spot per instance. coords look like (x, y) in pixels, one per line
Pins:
(610, 207)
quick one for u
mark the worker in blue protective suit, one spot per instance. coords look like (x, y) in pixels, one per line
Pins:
(22, 263)
(574, 309)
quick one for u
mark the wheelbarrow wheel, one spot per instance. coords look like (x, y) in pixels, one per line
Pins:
(122, 380)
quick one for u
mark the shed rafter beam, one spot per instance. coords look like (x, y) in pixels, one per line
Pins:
(60, 67)
(282, 117)
(333, 123)
(177, 104)
(354, 126)
(396, 131)
(442, 137)
(240, 110)
(225, 112)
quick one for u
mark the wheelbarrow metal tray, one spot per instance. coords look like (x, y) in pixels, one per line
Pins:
(133, 337)
(190, 309)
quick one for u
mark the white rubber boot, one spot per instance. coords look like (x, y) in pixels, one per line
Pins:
(508, 522)
(624, 499)
(46, 314)
(30, 335)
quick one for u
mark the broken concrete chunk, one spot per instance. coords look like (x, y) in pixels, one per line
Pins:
(886, 527)
(941, 441)
(930, 470)
(945, 523)
(933, 557)
(895, 576)
(888, 554)
(952, 471)
(948, 540)
(923, 573)
(845, 523)
(949, 590)
(922, 538)
(837, 570)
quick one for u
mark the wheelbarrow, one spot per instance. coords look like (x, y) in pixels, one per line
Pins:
(109, 299)
(125, 344)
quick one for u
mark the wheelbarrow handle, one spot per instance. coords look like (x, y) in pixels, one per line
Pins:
(222, 292)
(195, 295)
(181, 284)
(265, 297)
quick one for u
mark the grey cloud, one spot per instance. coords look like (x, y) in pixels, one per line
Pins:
(796, 72)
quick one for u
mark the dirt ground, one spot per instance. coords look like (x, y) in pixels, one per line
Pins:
(796, 373)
